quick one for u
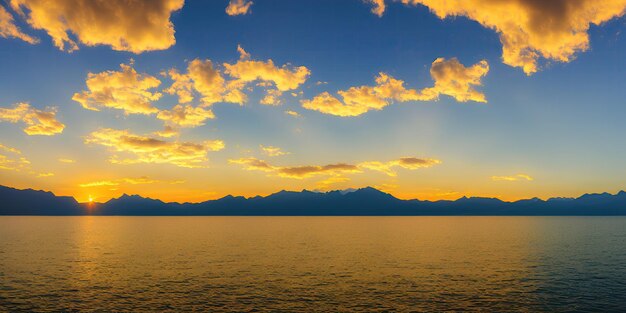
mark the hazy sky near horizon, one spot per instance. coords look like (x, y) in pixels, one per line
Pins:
(194, 100)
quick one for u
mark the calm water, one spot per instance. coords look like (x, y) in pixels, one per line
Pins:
(307, 264)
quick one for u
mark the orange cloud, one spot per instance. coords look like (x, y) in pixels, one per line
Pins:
(533, 29)
(38, 122)
(8, 29)
(450, 76)
(124, 90)
(130, 25)
(144, 149)
(306, 171)
(238, 7)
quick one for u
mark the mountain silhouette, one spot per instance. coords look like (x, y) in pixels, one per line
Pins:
(360, 202)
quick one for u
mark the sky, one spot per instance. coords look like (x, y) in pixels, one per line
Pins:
(194, 100)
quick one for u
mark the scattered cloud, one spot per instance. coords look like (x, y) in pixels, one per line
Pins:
(131, 181)
(129, 148)
(9, 149)
(238, 7)
(38, 122)
(272, 151)
(530, 29)
(125, 90)
(130, 25)
(205, 79)
(67, 161)
(13, 161)
(185, 116)
(8, 29)
(518, 177)
(306, 171)
(450, 76)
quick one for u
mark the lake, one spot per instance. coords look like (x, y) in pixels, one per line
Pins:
(313, 264)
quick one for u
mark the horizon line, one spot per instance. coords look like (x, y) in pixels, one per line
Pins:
(345, 191)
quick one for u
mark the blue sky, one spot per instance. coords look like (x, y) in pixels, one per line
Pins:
(562, 126)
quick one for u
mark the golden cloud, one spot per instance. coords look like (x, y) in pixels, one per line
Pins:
(205, 79)
(238, 7)
(533, 29)
(38, 122)
(517, 177)
(450, 76)
(378, 7)
(8, 29)
(272, 151)
(132, 181)
(306, 171)
(284, 78)
(167, 132)
(14, 161)
(144, 149)
(186, 116)
(130, 25)
(9, 149)
(125, 90)
(293, 113)
(67, 161)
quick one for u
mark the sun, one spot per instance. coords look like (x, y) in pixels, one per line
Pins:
(90, 199)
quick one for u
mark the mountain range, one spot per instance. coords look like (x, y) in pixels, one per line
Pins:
(360, 202)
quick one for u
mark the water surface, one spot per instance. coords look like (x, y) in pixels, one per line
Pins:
(313, 264)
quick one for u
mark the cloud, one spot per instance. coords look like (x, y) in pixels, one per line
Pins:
(125, 90)
(518, 177)
(185, 116)
(293, 113)
(8, 29)
(9, 149)
(67, 161)
(378, 7)
(167, 132)
(284, 78)
(450, 76)
(205, 79)
(238, 7)
(532, 29)
(272, 151)
(45, 174)
(130, 25)
(409, 163)
(13, 161)
(306, 171)
(38, 122)
(144, 149)
(131, 181)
